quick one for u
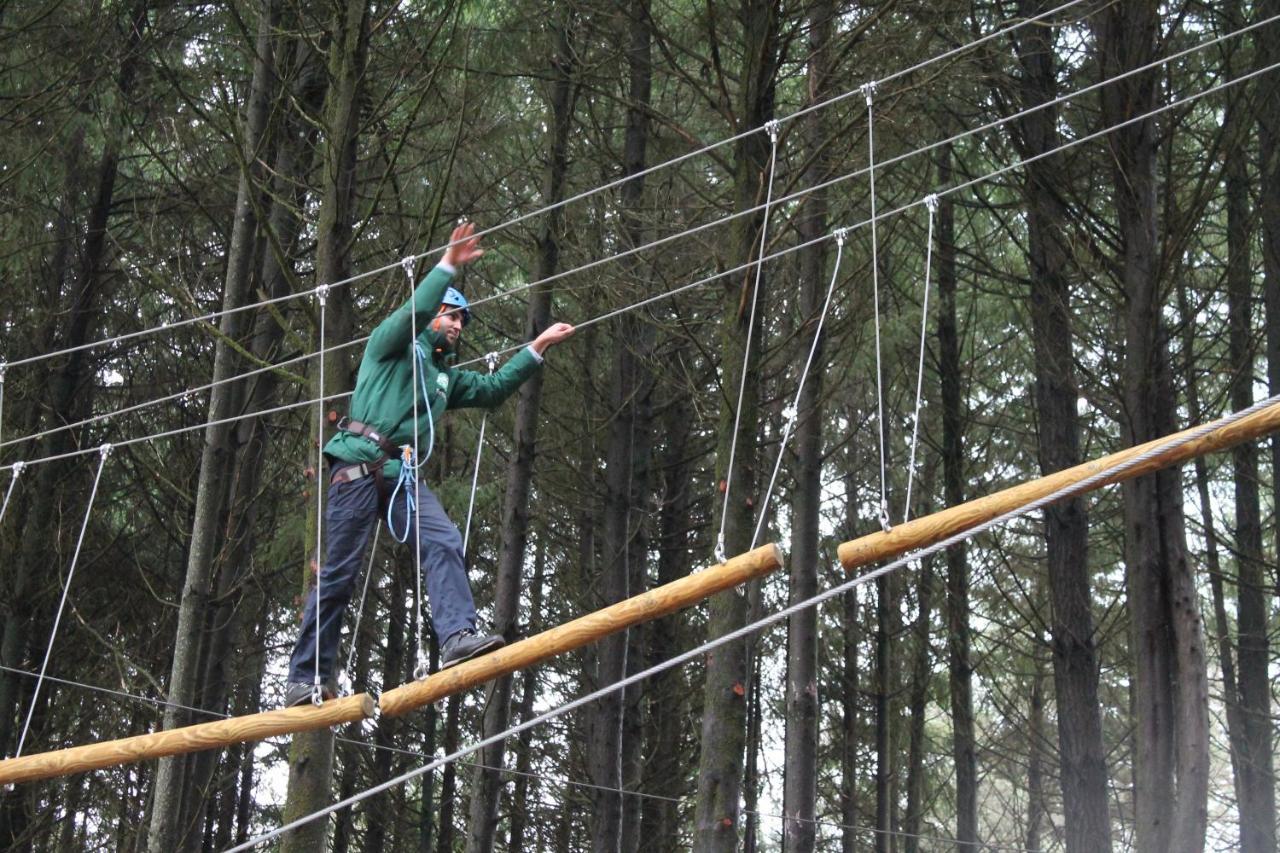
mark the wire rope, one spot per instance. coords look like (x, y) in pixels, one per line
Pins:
(791, 413)
(18, 468)
(772, 128)
(104, 451)
(948, 54)
(869, 90)
(996, 123)
(317, 689)
(931, 204)
(344, 677)
(882, 215)
(490, 359)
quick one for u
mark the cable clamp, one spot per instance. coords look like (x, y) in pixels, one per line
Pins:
(105, 450)
(18, 468)
(841, 234)
(720, 555)
(869, 91)
(322, 293)
(317, 692)
(491, 360)
(771, 128)
(406, 264)
(422, 669)
(885, 525)
(931, 202)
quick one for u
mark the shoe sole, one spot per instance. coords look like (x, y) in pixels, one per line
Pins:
(497, 643)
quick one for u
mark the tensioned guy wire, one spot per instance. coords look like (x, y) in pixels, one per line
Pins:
(1213, 90)
(781, 615)
(870, 91)
(930, 203)
(18, 468)
(792, 412)
(692, 230)
(317, 690)
(491, 359)
(772, 127)
(104, 451)
(344, 677)
(572, 199)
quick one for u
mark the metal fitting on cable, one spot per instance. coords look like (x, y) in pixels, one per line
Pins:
(931, 202)
(18, 468)
(491, 360)
(720, 555)
(869, 90)
(105, 450)
(841, 234)
(885, 524)
(406, 263)
(422, 669)
(322, 293)
(771, 128)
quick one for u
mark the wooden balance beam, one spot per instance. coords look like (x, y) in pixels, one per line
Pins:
(617, 617)
(928, 529)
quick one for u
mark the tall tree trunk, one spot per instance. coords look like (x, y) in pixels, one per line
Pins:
(720, 760)
(799, 798)
(1255, 761)
(311, 753)
(1213, 560)
(1035, 765)
(886, 684)
(913, 819)
(1066, 523)
(1170, 685)
(667, 696)
(959, 666)
(627, 468)
(485, 785)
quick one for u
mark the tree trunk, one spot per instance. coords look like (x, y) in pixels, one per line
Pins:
(725, 692)
(485, 784)
(960, 668)
(627, 470)
(920, 678)
(1170, 690)
(1257, 800)
(166, 831)
(799, 799)
(311, 753)
(1066, 523)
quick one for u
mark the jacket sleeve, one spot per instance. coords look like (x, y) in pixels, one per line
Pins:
(486, 390)
(393, 335)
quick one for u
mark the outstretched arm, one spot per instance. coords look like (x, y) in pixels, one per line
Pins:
(393, 335)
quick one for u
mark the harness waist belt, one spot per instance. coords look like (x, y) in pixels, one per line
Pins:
(365, 431)
(351, 473)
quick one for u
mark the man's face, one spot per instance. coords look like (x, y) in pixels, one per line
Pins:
(449, 324)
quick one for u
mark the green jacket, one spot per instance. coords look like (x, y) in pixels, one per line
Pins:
(383, 396)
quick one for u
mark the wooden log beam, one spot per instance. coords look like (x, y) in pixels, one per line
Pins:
(254, 727)
(640, 608)
(926, 530)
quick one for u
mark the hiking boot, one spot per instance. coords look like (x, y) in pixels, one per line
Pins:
(299, 693)
(467, 644)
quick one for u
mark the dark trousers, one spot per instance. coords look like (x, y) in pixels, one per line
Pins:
(350, 513)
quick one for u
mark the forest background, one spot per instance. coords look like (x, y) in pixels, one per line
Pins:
(1089, 203)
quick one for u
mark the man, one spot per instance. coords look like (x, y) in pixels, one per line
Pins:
(365, 465)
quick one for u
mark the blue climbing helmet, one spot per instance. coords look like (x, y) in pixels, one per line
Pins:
(453, 299)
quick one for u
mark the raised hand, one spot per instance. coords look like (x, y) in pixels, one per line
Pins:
(463, 248)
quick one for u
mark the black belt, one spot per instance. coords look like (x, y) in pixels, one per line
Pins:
(365, 431)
